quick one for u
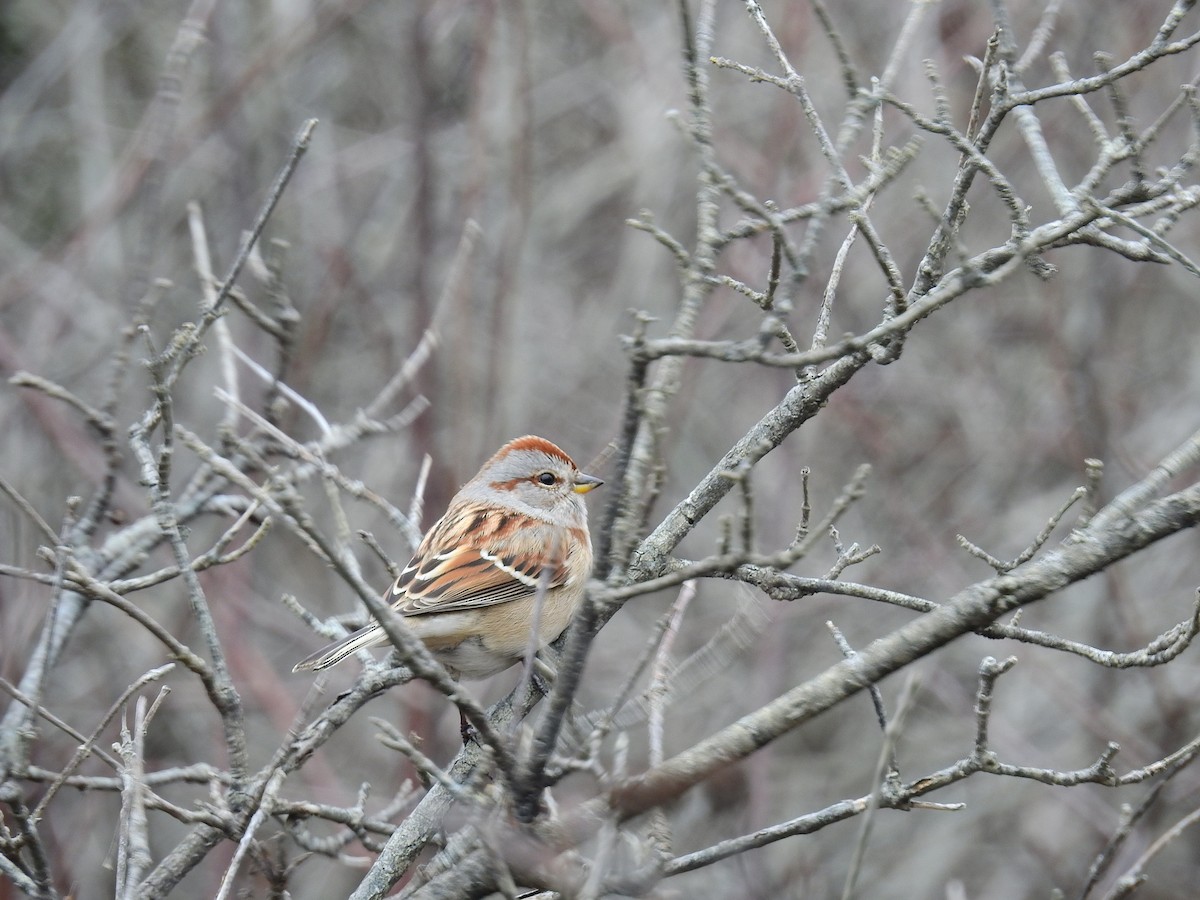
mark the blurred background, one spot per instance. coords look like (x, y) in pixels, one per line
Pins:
(550, 125)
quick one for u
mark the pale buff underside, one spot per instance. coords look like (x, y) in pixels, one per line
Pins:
(501, 634)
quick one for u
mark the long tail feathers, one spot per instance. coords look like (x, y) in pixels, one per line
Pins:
(332, 654)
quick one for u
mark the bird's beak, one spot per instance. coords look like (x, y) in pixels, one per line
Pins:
(585, 483)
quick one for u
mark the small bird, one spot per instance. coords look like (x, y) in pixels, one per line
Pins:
(519, 527)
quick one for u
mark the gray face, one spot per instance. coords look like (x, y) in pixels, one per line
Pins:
(538, 483)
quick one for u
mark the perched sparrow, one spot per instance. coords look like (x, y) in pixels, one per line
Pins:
(470, 591)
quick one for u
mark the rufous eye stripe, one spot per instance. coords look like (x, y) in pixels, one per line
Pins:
(507, 485)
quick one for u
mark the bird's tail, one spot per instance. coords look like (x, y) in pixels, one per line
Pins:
(332, 654)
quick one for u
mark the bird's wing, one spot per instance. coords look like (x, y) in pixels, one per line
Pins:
(477, 559)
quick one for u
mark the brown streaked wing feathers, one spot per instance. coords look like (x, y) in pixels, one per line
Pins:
(473, 569)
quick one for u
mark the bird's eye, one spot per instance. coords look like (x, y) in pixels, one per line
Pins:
(547, 478)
